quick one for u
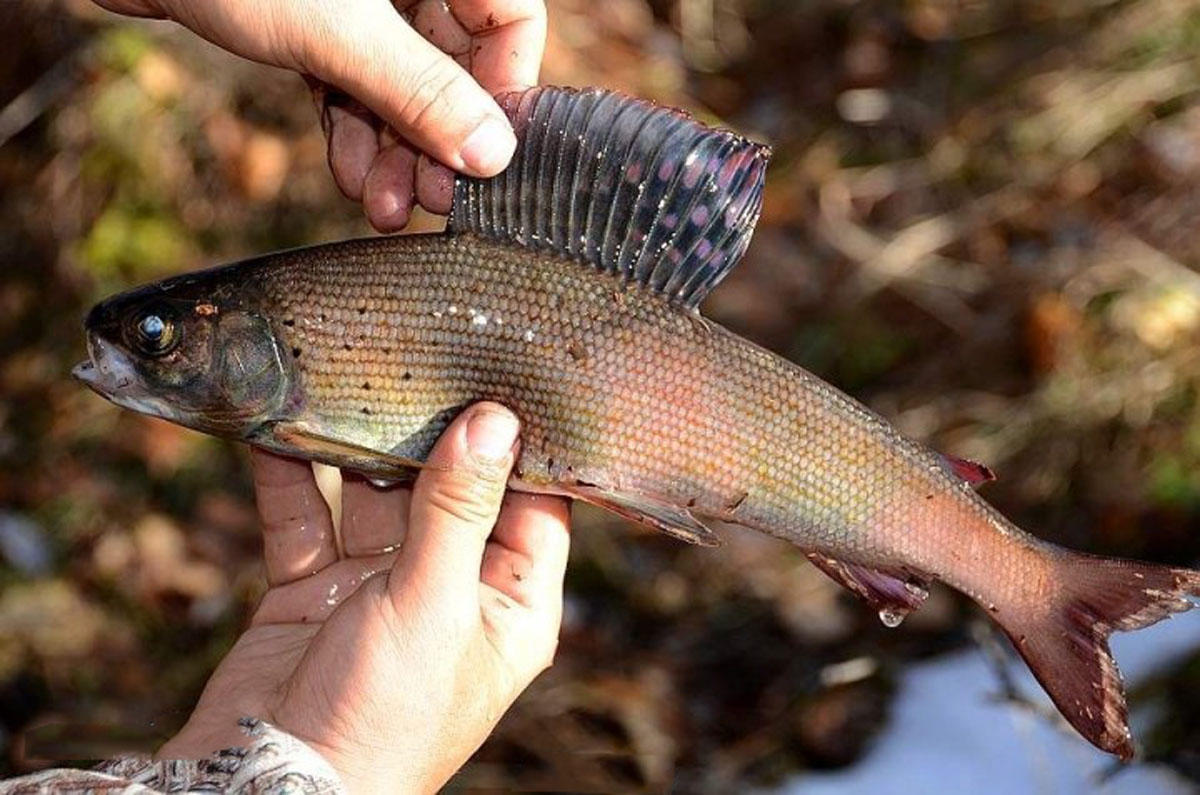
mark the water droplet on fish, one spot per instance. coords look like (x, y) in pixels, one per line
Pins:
(452, 309)
(528, 335)
(479, 320)
(892, 617)
(331, 599)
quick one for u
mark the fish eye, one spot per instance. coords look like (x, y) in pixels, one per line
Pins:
(155, 333)
(152, 327)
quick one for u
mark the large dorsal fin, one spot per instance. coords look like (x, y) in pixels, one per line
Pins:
(634, 189)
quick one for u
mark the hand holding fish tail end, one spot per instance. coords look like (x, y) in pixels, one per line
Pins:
(1064, 638)
(395, 679)
(403, 88)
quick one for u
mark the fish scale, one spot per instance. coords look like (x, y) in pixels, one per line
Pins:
(615, 387)
(567, 288)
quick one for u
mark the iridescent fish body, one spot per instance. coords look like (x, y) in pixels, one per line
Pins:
(567, 288)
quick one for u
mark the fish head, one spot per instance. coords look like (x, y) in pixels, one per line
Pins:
(191, 350)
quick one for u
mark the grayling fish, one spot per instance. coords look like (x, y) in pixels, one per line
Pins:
(567, 288)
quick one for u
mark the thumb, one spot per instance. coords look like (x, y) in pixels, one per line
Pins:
(420, 91)
(456, 501)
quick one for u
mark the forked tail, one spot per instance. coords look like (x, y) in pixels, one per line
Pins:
(1065, 641)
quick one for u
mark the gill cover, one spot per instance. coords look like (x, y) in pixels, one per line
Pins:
(249, 369)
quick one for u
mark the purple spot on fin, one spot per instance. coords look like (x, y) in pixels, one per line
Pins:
(728, 169)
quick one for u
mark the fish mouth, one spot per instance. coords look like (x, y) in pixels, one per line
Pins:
(109, 372)
(85, 372)
(107, 369)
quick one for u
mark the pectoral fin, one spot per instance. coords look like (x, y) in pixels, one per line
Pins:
(670, 519)
(307, 442)
(893, 593)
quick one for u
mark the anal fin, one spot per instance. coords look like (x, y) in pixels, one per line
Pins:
(893, 594)
(673, 520)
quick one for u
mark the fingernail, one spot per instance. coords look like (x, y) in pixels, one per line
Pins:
(490, 434)
(489, 147)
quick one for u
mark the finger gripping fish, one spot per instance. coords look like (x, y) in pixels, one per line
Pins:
(567, 288)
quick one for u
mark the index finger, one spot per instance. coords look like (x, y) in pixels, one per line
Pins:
(537, 526)
(298, 535)
(507, 40)
(526, 556)
(455, 502)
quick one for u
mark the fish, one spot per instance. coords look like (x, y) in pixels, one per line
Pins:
(568, 289)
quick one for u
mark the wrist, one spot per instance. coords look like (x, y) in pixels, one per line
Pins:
(364, 771)
(267, 759)
(196, 742)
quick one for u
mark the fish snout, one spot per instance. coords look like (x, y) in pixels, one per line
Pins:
(106, 370)
(85, 371)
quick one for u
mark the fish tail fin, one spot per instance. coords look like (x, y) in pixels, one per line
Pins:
(1064, 638)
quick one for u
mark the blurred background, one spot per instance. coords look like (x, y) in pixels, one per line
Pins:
(980, 220)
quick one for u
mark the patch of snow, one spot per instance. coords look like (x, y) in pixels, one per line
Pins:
(947, 733)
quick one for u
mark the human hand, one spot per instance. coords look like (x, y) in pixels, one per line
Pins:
(395, 655)
(391, 80)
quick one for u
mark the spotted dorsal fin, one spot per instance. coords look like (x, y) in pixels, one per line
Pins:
(644, 192)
